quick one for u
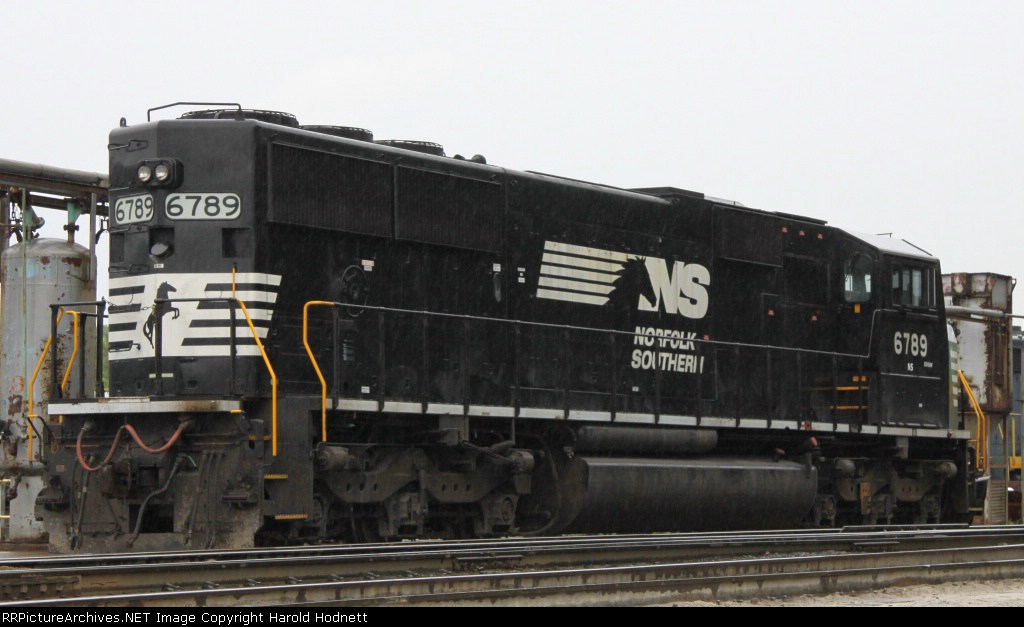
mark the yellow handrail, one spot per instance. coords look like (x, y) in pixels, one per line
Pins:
(1014, 449)
(74, 350)
(266, 360)
(316, 366)
(981, 453)
(32, 385)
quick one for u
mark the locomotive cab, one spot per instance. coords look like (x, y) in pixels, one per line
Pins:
(912, 357)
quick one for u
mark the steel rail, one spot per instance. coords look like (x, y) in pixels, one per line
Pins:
(715, 580)
(714, 541)
(35, 579)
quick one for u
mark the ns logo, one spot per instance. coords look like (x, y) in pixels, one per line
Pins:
(683, 290)
(593, 276)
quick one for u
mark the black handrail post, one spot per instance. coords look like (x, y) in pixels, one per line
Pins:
(81, 368)
(864, 393)
(737, 379)
(769, 386)
(381, 352)
(233, 348)
(566, 372)
(465, 366)
(426, 363)
(700, 379)
(615, 377)
(800, 385)
(158, 348)
(517, 401)
(101, 311)
(336, 348)
(54, 388)
(835, 392)
(657, 383)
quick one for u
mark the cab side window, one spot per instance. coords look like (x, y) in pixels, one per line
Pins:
(857, 272)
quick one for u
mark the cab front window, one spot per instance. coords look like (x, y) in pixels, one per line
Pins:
(913, 285)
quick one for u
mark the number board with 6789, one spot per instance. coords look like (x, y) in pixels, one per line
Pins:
(133, 209)
(139, 208)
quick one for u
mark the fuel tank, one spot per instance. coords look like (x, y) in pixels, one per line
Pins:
(623, 495)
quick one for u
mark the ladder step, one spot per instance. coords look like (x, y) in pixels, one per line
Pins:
(291, 516)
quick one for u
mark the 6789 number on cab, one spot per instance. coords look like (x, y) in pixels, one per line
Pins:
(208, 206)
(133, 209)
(913, 344)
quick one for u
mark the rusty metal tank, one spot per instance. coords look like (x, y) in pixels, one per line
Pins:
(35, 274)
(977, 305)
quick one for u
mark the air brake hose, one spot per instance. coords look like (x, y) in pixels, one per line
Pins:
(169, 444)
(142, 508)
(110, 453)
(117, 438)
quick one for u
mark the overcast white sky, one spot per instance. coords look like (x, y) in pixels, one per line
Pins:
(898, 116)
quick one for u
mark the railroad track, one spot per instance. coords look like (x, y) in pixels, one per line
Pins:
(563, 570)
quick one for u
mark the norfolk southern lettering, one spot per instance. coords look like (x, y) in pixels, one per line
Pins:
(592, 276)
(666, 349)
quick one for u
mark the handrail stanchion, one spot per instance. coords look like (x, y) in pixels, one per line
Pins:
(381, 360)
(425, 349)
(158, 349)
(736, 377)
(58, 314)
(613, 359)
(54, 320)
(800, 384)
(336, 355)
(517, 366)
(316, 366)
(101, 310)
(981, 451)
(266, 361)
(835, 392)
(234, 345)
(700, 379)
(464, 364)
(81, 341)
(657, 382)
(74, 351)
(566, 358)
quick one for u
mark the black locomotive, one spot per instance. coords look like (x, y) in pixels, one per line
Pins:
(314, 336)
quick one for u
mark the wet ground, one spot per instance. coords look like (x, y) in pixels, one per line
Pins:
(1001, 593)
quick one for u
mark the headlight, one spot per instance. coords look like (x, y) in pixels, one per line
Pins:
(159, 173)
(162, 173)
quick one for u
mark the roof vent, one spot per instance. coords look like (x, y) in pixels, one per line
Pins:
(271, 117)
(429, 148)
(474, 158)
(348, 132)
